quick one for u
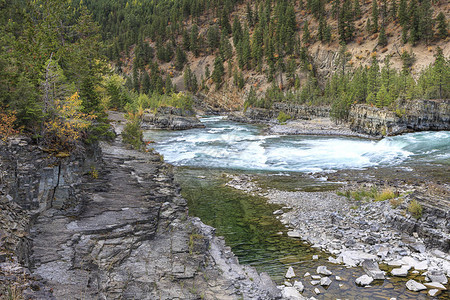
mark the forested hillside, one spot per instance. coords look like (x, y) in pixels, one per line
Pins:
(68, 60)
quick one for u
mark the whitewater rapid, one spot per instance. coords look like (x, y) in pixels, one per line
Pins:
(230, 145)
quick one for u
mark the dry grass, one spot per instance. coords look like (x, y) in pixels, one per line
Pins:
(415, 209)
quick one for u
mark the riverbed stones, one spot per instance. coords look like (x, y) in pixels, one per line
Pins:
(290, 273)
(299, 286)
(401, 272)
(371, 268)
(415, 286)
(325, 281)
(364, 280)
(435, 285)
(294, 234)
(291, 293)
(317, 291)
(316, 277)
(436, 275)
(322, 270)
(434, 292)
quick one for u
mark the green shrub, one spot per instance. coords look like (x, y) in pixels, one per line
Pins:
(415, 209)
(283, 117)
(132, 134)
(385, 194)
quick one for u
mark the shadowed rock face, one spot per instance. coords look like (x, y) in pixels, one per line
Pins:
(170, 118)
(415, 115)
(129, 237)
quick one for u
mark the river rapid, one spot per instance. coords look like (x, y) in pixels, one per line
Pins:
(206, 157)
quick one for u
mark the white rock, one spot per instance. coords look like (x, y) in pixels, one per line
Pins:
(299, 286)
(291, 293)
(316, 277)
(315, 282)
(290, 273)
(315, 257)
(306, 274)
(364, 280)
(317, 291)
(415, 286)
(438, 253)
(326, 281)
(323, 271)
(371, 268)
(423, 265)
(434, 292)
(333, 260)
(437, 275)
(435, 285)
(402, 271)
(338, 278)
(353, 258)
(287, 283)
(395, 263)
(294, 234)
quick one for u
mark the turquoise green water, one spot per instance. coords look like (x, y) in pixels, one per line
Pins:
(253, 233)
(204, 156)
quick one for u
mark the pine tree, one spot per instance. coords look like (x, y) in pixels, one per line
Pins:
(321, 29)
(414, 22)
(441, 74)
(426, 21)
(403, 13)
(180, 59)
(145, 83)
(193, 41)
(373, 77)
(356, 10)
(168, 86)
(382, 38)
(374, 16)
(218, 72)
(382, 97)
(226, 50)
(393, 10)
(237, 31)
(213, 37)
(306, 35)
(345, 22)
(442, 25)
(249, 15)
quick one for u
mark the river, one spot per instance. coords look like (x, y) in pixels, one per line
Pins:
(205, 157)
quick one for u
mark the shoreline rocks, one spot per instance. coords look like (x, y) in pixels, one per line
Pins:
(170, 118)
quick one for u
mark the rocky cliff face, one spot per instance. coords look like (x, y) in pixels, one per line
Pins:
(112, 226)
(416, 115)
(170, 118)
(295, 111)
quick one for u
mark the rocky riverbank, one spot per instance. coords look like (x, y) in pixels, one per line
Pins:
(109, 225)
(364, 120)
(367, 233)
(170, 118)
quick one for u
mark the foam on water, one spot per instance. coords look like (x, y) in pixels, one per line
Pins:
(224, 144)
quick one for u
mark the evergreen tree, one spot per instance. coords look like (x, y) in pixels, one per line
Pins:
(257, 46)
(426, 21)
(345, 22)
(213, 37)
(382, 38)
(357, 10)
(186, 40)
(441, 74)
(145, 83)
(306, 35)
(442, 25)
(194, 41)
(403, 13)
(226, 50)
(373, 78)
(168, 86)
(180, 59)
(382, 97)
(414, 22)
(237, 31)
(249, 15)
(393, 10)
(374, 16)
(218, 72)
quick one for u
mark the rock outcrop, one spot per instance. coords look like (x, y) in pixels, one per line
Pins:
(414, 115)
(170, 118)
(112, 226)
